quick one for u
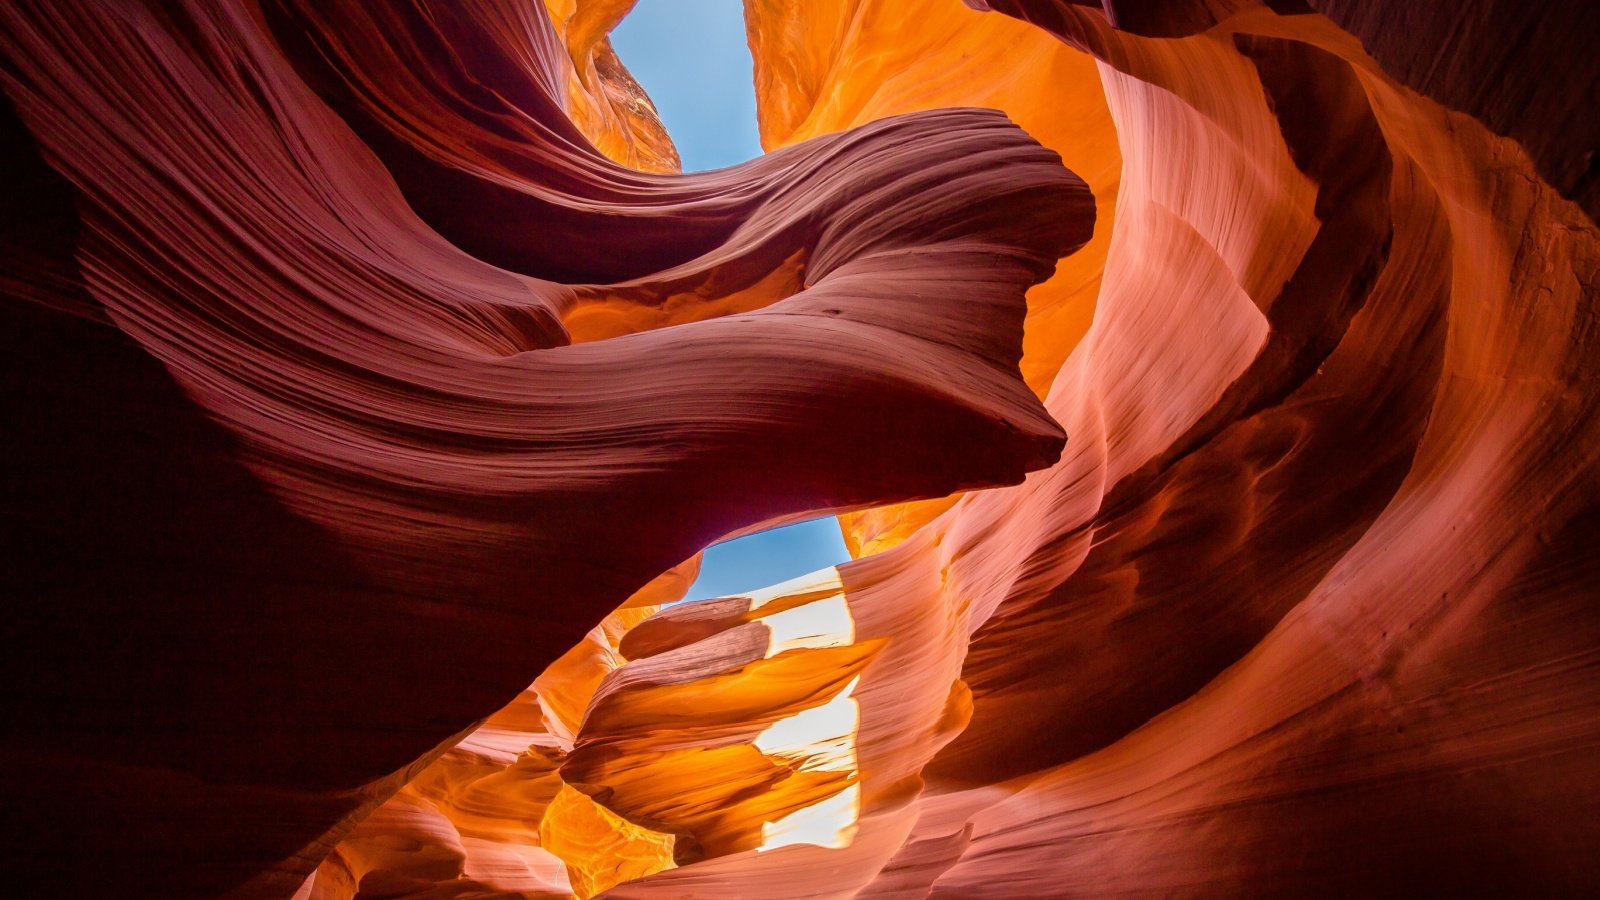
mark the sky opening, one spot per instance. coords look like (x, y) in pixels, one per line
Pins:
(693, 59)
(768, 557)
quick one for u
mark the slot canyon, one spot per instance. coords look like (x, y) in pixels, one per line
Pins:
(1206, 391)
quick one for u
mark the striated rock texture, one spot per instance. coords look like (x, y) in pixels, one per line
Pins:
(304, 487)
(368, 372)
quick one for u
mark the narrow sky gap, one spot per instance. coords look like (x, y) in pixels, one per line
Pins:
(693, 58)
(768, 557)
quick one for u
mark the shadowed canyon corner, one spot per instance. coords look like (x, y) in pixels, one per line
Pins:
(1205, 392)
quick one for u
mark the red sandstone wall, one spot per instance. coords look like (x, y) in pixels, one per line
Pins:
(344, 403)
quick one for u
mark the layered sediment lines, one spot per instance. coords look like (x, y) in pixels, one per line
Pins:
(1272, 622)
(360, 394)
(313, 478)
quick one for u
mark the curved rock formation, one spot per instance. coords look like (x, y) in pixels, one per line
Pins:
(353, 485)
(355, 386)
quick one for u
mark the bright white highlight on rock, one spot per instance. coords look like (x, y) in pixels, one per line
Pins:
(821, 739)
(820, 581)
(827, 823)
(820, 623)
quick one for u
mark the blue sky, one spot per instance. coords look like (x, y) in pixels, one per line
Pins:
(693, 59)
(759, 560)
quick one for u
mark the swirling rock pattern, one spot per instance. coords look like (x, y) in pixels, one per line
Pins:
(329, 488)
(365, 356)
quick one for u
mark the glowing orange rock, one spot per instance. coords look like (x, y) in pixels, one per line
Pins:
(355, 486)
(1293, 233)
(357, 387)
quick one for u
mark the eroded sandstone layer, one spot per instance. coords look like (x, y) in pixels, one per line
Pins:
(373, 382)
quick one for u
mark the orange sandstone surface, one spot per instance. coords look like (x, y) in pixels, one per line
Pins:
(1206, 390)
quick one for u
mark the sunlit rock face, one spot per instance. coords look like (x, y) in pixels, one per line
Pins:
(373, 385)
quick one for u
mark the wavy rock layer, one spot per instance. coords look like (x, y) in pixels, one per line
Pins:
(350, 403)
(311, 488)
(1250, 634)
